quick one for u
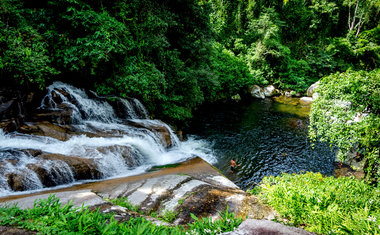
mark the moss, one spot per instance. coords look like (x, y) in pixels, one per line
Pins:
(156, 168)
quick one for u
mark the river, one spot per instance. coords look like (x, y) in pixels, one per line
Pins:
(104, 140)
(266, 137)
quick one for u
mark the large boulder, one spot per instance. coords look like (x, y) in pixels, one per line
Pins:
(310, 91)
(16, 181)
(270, 91)
(16, 105)
(130, 157)
(62, 116)
(194, 187)
(306, 101)
(47, 129)
(157, 127)
(82, 168)
(11, 110)
(256, 92)
(43, 174)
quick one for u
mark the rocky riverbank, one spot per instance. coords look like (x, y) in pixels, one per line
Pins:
(193, 187)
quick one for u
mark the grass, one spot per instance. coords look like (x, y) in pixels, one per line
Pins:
(167, 216)
(49, 216)
(325, 205)
(123, 201)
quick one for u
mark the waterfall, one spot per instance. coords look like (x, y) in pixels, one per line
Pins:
(141, 109)
(100, 144)
(75, 98)
(135, 109)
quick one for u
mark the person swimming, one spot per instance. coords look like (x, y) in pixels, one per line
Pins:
(233, 165)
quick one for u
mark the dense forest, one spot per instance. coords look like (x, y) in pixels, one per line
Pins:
(177, 54)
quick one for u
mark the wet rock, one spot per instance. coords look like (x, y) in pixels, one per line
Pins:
(346, 170)
(289, 93)
(43, 175)
(270, 91)
(9, 125)
(157, 127)
(32, 152)
(192, 187)
(126, 152)
(256, 92)
(82, 168)
(296, 123)
(15, 107)
(46, 129)
(61, 116)
(16, 181)
(310, 91)
(180, 135)
(13, 162)
(7, 230)
(306, 101)
(259, 227)
(184, 194)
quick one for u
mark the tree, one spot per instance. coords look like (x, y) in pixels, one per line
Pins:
(359, 13)
(347, 114)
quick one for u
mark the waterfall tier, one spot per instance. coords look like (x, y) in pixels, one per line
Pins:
(75, 136)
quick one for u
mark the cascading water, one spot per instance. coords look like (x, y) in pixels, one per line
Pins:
(100, 144)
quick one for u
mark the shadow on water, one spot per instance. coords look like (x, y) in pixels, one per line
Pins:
(266, 137)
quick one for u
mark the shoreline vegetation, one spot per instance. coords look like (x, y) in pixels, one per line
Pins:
(324, 205)
(49, 216)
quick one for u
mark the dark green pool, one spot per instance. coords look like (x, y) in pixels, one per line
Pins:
(265, 136)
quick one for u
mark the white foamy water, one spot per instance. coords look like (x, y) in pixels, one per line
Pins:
(115, 148)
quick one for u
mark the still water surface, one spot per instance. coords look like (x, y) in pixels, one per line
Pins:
(265, 136)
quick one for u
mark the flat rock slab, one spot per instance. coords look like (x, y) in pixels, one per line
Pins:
(7, 230)
(193, 187)
(260, 227)
(78, 198)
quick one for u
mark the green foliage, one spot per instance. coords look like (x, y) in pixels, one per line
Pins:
(24, 54)
(347, 114)
(325, 205)
(207, 226)
(169, 216)
(49, 216)
(123, 201)
(175, 55)
(232, 74)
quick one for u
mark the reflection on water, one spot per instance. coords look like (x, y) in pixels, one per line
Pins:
(265, 136)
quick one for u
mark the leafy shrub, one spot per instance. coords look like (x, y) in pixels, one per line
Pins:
(123, 201)
(325, 205)
(169, 216)
(347, 114)
(49, 216)
(231, 72)
(207, 226)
